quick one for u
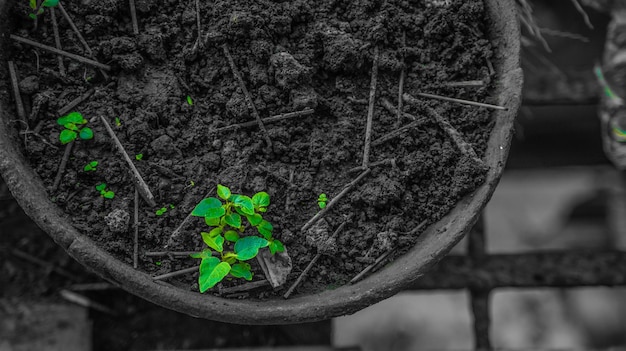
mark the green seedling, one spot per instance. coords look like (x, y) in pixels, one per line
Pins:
(227, 219)
(91, 166)
(38, 10)
(74, 124)
(163, 209)
(189, 101)
(118, 122)
(139, 157)
(158, 263)
(321, 201)
(107, 194)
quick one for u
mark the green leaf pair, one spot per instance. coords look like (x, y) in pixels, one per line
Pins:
(72, 123)
(91, 166)
(107, 194)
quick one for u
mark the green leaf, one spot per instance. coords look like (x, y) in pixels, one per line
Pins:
(265, 228)
(101, 186)
(248, 247)
(203, 254)
(255, 219)
(231, 236)
(205, 205)
(214, 242)
(50, 3)
(276, 246)
(189, 101)
(245, 204)
(321, 204)
(223, 192)
(86, 133)
(67, 136)
(233, 220)
(322, 198)
(108, 194)
(160, 211)
(261, 199)
(241, 270)
(229, 257)
(215, 232)
(212, 222)
(138, 157)
(212, 271)
(72, 117)
(33, 4)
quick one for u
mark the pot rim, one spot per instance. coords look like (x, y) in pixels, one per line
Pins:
(432, 245)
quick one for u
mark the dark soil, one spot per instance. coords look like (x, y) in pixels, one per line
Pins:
(292, 55)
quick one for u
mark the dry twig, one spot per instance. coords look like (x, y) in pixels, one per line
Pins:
(370, 109)
(70, 106)
(310, 265)
(62, 165)
(370, 267)
(16, 93)
(176, 233)
(139, 182)
(61, 52)
(133, 17)
(246, 93)
(401, 84)
(176, 273)
(334, 201)
(57, 40)
(136, 225)
(271, 119)
(407, 97)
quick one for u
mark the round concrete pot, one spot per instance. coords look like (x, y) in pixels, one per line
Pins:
(433, 244)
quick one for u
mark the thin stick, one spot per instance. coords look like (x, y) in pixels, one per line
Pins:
(395, 133)
(310, 265)
(75, 29)
(370, 109)
(244, 287)
(463, 146)
(176, 233)
(387, 161)
(176, 273)
(271, 119)
(251, 105)
(133, 17)
(80, 37)
(291, 174)
(92, 286)
(62, 165)
(169, 253)
(198, 24)
(16, 93)
(61, 52)
(57, 39)
(139, 182)
(407, 97)
(70, 106)
(370, 267)
(401, 84)
(393, 110)
(583, 13)
(136, 225)
(334, 201)
(467, 83)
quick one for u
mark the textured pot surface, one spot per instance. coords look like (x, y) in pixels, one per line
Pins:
(435, 242)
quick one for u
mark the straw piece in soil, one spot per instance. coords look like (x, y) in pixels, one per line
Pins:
(133, 17)
(70, 106)
(270, 119)
(176, 273)
(139, 182)
(62, 165)
(460, 101)
(57, 40)
(61, 52)
(370, 109)
(334, 201)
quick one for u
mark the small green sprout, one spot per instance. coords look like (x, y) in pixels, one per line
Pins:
(38, 10)
(227, 218)
(158, 263)
(321, 201)
(73, 123)
(139, 157)
(91, 166)
(163, 209)
(189, 101)
(192, 183)
(107, 194)
(118, 122)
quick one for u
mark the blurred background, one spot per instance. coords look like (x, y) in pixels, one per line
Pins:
(559, 192)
